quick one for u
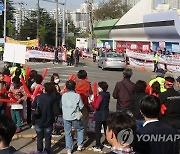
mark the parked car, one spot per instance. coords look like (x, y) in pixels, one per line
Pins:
(112, 60)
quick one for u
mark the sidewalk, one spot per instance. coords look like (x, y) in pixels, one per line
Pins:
(24, 142)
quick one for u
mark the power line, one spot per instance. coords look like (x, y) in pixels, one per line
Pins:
(53, 2)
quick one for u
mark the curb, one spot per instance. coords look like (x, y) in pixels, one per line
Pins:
(17, 136)
(31, 136)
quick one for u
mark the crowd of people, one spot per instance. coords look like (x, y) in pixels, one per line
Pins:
(151, 108)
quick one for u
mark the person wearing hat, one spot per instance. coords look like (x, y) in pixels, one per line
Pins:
(178, 82)
(171, 100)
(159, 78)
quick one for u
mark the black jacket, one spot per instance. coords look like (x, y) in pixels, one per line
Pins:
(46, 103)
(3, 83)
(171, 99)
(153, 147)
(135, 105)
(103, 111)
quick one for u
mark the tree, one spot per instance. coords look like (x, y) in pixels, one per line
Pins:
(112, 9)
(10, 20)
(46, 28)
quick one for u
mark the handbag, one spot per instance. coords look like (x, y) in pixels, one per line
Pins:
(37, 111)
(78, 113)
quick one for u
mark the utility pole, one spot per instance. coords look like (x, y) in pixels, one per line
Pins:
(64, 24)
(57, 16)
(21, 7)
(5, 5)
(38, 18)
(89, 3)
(64, 19)
(67, 22)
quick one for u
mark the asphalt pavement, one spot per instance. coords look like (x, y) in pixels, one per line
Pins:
(24, 142)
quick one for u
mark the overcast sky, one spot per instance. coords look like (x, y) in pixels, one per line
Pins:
(71, 4)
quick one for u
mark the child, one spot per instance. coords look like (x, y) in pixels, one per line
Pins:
(101, 105)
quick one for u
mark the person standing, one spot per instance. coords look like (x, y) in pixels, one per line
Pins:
(19, 93)
(69, 53)
(139, 93)
(171, 100)
(56, 59)
(159, 78)
(83, 88)
(1, 53)
(71, 105)
(76, 57)
(156, 60)
(18, 70)
(29, 83)
(44, 121)
(123, 92)
(3, 86)
(7, 78)
(178, 82)
(101, 106)
(162, 144)
(55, 81)
(95, 54)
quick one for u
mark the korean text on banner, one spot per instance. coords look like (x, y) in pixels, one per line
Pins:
(28, 43)
(14, 53)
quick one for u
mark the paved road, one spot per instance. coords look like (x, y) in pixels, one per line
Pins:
(24, 140)
(95, 74)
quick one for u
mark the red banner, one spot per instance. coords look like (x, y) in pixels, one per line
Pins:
(121, 46)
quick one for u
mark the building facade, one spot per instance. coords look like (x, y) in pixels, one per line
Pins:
(174, 4)
(80, 16)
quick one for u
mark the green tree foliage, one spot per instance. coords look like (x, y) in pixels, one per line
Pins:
(10, 21)
(112, 9)
(71, 41)
(46, 28)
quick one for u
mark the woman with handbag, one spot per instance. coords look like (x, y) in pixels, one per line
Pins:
(44, 117)
(71, 107)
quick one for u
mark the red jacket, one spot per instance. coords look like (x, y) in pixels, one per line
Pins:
(7, 79)
(83, 87)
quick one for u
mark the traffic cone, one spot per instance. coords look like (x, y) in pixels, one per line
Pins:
(143, 68)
